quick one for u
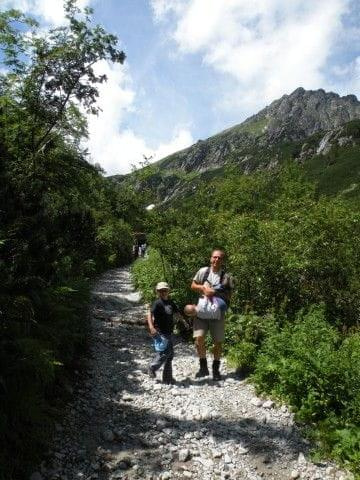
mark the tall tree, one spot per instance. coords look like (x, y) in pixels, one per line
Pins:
(49, 75)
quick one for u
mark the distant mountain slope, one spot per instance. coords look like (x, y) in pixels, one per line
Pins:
(300, 126)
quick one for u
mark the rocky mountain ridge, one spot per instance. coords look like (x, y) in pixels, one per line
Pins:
(291, 118)
(278, 132)
(303, 113)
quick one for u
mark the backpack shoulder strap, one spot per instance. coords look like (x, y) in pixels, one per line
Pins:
(206, 274)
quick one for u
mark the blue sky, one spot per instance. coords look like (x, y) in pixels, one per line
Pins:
(196, 67)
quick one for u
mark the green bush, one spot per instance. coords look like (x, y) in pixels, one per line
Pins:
(311, 366)
(244, 335)
(300, 364)
(147, 272)
(114, 243)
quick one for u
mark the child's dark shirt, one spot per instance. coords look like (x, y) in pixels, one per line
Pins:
(163, 311)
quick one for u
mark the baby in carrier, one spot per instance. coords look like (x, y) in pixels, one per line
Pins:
(209, 307)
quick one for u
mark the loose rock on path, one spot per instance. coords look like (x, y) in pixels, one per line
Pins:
(124, 425)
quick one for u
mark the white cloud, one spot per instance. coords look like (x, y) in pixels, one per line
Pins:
(51, 11)
(347, 77)
(116, 97)
(118, 151)
(161, 8)
(114, 148)
(268, 47)
(182, 138)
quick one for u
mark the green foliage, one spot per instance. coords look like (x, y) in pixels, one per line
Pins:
(244, 335)
(310, 365)
(61, 221)
(147, 272)
(337, 173)
(114, 240)
(255, 127)
(343, 444)
(50, 76)
(286, 248)
(298, 363)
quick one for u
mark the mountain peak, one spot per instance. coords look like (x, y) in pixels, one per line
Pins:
(305, 112)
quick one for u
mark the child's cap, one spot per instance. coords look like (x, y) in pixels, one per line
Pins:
(162, 286)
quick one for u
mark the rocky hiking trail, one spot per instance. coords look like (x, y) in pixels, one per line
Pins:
(121, 424)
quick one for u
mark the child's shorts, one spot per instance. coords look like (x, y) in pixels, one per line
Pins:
(215, 327)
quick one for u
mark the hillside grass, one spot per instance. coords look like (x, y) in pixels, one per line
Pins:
(338, 172)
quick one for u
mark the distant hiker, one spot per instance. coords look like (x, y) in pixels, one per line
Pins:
(161, 325)
(211, 283)
(143, 249)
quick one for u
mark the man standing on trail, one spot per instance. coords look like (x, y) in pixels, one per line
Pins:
(211, 282)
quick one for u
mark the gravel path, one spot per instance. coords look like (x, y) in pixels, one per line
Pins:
(124, 425)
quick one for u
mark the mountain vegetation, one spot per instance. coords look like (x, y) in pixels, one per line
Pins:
(61, 221)
(313, 128)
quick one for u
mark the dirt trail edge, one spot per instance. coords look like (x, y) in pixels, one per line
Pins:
(123, 425)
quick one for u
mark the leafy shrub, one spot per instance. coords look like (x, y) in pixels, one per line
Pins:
(299, 364)
(61, 221)
(147, 272)
(339, 441)
(244, 335)
(313, 368)
(308, 255)
(114, 243)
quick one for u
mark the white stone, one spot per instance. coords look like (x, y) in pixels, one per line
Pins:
(187, 474)
(230, 380)
(184, 455)
(216, 454)
(127, 398)
(165, 476)
(256, 402)
(301, 458)
(268, 404)
(294, 474)
(242, 451)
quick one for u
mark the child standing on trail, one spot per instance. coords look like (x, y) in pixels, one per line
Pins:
(161, 325)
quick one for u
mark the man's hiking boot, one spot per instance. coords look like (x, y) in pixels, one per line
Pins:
(169, 381)
(151, 373)
(203, 370)
(215, 370)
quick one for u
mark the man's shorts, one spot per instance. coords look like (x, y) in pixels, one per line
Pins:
(216, 328)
